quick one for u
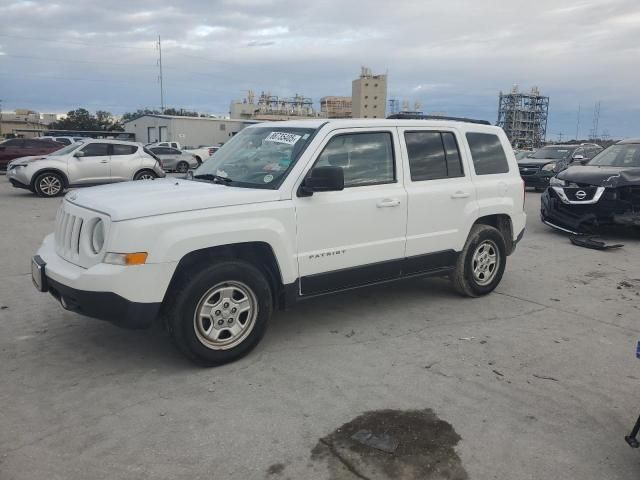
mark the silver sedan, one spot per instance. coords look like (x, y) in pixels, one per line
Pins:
(173, 159)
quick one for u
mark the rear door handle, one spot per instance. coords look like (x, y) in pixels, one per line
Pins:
(460, 194)
(388, 202)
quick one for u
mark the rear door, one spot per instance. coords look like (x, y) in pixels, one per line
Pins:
(92, 167)
(442, 196)
(125, 162)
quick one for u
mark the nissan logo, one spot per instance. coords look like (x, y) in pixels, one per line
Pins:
(581, 194)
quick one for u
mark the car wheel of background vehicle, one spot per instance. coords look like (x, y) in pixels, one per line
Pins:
(481, 263)
(182, 167)
(145, 175)
(48, 184)
(220, 313)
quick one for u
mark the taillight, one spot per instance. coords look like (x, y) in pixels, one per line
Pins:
(211, 150)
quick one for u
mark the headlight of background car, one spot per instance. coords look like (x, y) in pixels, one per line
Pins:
(556, 182)
(97, 237)
(549, 167)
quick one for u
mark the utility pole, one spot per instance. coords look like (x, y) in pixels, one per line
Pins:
(578, 123)
(560, 135)
(0, 117)
(159, 46)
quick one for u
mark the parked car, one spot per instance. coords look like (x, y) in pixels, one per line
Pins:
(536, 169)
(23, 147)
(64, 140)
(283, 212)
(80, 164)
(173, 159)
(605, 191)
(203, 152)
(520, 154)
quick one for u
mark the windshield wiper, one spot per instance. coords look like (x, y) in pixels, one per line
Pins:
(214, 178)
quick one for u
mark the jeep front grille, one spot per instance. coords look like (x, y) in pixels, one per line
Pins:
(67, 234)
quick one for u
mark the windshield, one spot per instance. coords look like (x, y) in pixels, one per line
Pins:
(257, 157)
(554, 153)
(65, 150)
(625, 155)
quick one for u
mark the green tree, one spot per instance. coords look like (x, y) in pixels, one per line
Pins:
(82, 119)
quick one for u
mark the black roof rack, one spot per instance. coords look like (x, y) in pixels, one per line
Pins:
(417, 116)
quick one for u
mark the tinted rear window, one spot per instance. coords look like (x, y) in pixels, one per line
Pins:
(119, 149)
(487, 153)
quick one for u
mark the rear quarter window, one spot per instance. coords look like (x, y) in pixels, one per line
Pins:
(487, 153)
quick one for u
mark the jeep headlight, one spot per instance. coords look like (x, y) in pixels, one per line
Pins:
(97, 236)
(549, 167)
(556, 182)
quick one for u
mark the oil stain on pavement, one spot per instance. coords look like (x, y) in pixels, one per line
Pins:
(392, 444)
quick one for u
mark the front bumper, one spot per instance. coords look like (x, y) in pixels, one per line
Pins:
(18, 178)
(128, 296)
(610, 209)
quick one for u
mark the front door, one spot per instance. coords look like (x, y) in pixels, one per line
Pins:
(442, 197)
(92, 167)
(354, 236)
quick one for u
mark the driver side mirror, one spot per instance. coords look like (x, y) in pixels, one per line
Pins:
(322, 179)
(79, 154)
(583, 161)
(578, 158)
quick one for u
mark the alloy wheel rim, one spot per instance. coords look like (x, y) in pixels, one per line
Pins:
(50, 185)
(225, 315)
(146, 176)
(484, 262)
(183, 167)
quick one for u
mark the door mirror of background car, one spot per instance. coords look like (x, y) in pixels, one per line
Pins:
(584, 161)
(578, 158)
(323, 179)
(78, 154)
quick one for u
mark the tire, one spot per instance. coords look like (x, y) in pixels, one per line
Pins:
(224, 288)
(482, 240)
(145, 175)
(48, 184)
(182, 167)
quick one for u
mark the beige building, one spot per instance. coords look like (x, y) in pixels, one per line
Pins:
(369, 95)
(24, 123)
(336, 107)
(189, 131)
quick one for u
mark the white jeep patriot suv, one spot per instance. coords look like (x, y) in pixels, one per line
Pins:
(283, 212)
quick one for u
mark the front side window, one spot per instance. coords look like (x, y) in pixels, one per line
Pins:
(366, 158)
(96, 150)
(13, 143)
(487, 153)
(432, 155)
(120, 149)
(257, 157)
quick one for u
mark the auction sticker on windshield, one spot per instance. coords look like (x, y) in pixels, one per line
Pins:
(282, 137)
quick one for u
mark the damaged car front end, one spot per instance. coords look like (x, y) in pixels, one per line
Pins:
(605, 191)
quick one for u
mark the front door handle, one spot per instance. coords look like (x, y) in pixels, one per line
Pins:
(388, 202)
(460, 194)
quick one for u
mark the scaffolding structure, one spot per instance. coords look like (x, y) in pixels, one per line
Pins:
(336, 107)
(523, 117)
(298, 105)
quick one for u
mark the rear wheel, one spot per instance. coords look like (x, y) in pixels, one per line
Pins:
(481, 263)
(145, 175)
(48, 184)
(220, 313)
(182, 167)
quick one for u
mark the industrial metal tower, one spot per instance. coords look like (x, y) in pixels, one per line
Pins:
(523, 117)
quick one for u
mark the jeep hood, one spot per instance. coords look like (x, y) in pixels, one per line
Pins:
(601, 175)
(146, 198)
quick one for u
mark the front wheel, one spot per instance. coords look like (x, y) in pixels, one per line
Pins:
(48, 184)
(481, 263)
(220, 313)
(145, 175)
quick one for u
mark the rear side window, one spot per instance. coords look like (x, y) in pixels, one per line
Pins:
(119, 149)
(96, 150)
(433, 155)
(487, 153)
(366, 158)
(13, 143)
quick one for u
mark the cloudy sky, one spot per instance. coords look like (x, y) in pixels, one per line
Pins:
(452, 56)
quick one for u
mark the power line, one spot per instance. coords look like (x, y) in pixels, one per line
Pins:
(68, 42)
